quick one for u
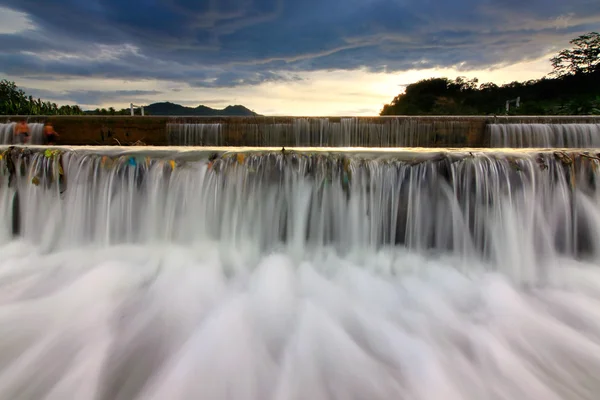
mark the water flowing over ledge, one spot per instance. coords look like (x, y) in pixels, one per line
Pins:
(7, 133)
(545, 135)
(417, 132)
(292, 274)
(325, 132)
(532, 206)
(399, 131)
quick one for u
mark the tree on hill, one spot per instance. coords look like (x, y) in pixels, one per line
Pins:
(573, 89)
(583, 58)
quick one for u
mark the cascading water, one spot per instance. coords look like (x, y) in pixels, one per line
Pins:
(194, 134)
(7, 133)
(320, 132)
(545, 135)
(269, 274)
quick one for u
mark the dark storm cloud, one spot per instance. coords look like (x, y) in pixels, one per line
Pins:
(246, 42)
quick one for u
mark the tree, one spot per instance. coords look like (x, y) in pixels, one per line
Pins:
(583, 58)
(12, 98)
(463, 84)
(10, 91)
(13, 101)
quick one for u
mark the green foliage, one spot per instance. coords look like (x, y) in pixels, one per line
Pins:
(574, 89)
(583, 58)
(13, 101)
(10, 93)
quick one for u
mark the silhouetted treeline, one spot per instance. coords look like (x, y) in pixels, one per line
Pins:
(113, 111)
(570, 94)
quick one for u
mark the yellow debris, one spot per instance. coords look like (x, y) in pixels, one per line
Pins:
(346, 163)
(172, 163)
(240, 158)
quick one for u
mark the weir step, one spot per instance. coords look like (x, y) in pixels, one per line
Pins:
(402, 131)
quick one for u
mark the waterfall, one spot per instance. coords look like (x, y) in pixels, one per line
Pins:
(194, 134)
(321, 132)
(545, 135)
(213, 273)
(7, 135)
(459, 202)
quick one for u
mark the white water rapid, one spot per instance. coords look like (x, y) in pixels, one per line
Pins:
(173, 273)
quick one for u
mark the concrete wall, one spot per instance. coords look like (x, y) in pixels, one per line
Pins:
(443, 131)
(97, 130)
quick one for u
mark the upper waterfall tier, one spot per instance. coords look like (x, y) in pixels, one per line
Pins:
(401, 131)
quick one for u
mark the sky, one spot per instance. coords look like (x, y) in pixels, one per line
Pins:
(276, 57)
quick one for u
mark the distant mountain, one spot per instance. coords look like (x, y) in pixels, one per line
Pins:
(167, 108)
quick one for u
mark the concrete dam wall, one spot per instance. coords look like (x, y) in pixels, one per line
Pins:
(401, 131)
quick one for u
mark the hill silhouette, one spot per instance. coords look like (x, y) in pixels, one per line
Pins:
(167, 108)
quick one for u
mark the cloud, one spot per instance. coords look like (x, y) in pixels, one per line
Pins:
(12, 21)
(230, 43)
(90, 96)
(245, 78)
